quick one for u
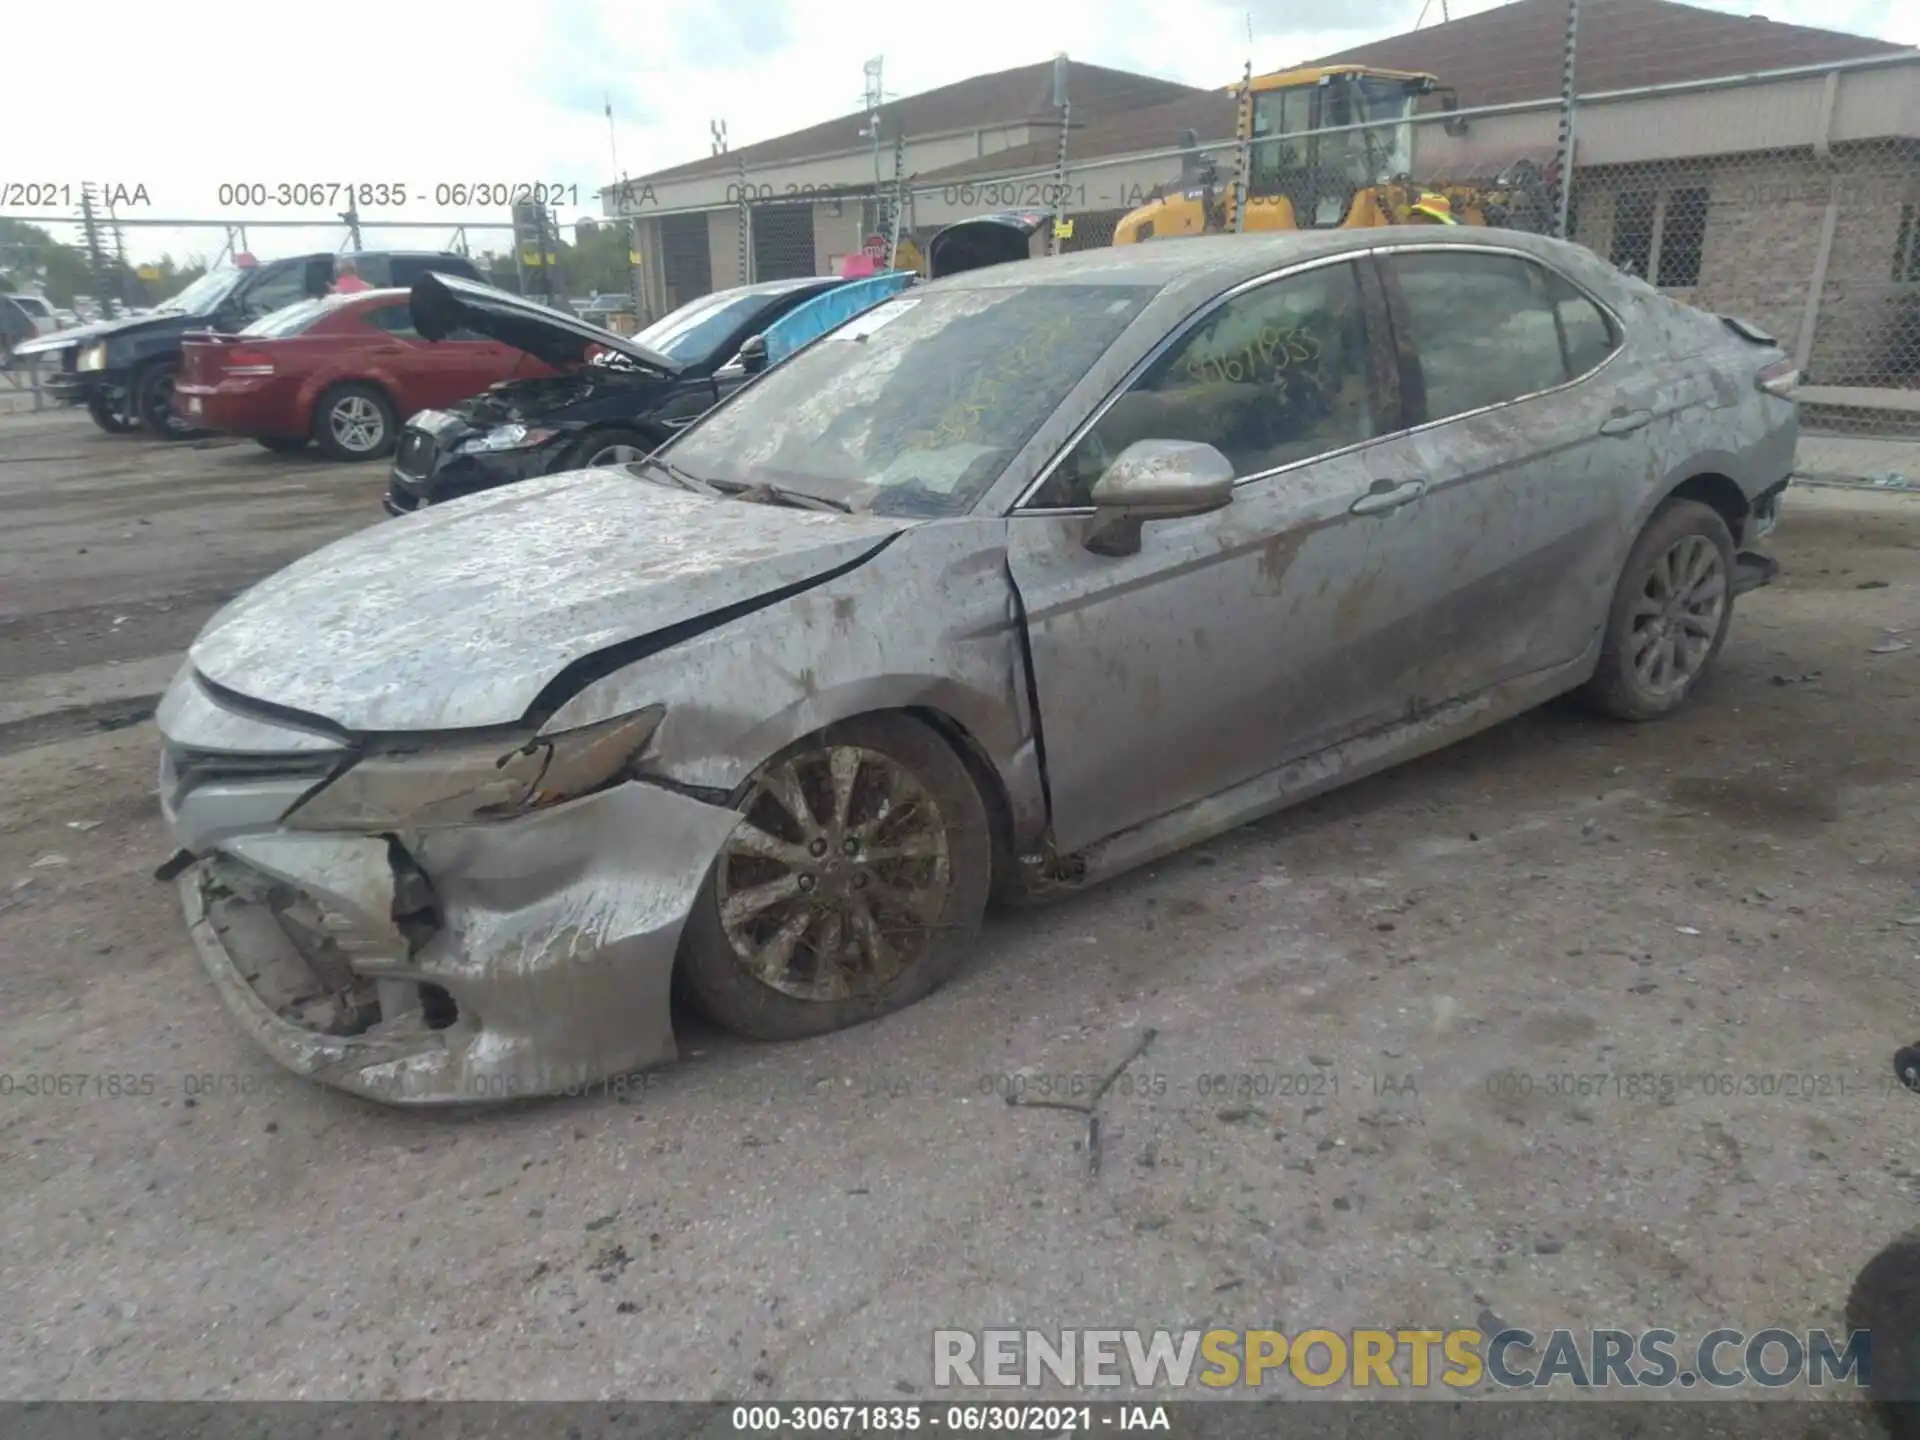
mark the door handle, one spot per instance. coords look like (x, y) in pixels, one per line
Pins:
(1378, 502)
(1627, 423)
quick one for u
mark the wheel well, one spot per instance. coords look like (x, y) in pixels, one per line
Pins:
(986, 779)
(652, 434)
(1718, 494)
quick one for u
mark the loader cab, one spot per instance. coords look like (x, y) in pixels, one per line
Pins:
(1370, 114)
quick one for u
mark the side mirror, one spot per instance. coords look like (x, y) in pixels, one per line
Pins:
(753, 354)
(1156, 480)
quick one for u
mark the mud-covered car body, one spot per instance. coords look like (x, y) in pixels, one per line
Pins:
(449, 789)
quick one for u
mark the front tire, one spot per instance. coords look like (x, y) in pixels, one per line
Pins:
(153, 402)
(355, 422)
(1671, 612)
(109, 410)
(854, 886)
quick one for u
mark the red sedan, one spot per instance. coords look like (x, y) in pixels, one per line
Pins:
(344, 371)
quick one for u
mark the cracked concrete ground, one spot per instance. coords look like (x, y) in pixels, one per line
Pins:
(1351, 1115)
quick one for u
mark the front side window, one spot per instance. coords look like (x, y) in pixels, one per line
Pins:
(1485, 329)
(276, 289)
(1271, 377)
(918, 405)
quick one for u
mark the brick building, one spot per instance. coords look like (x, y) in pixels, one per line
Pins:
(1762, 169)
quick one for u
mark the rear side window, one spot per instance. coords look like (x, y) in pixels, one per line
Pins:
(294, 319)
(1486, 329)
(394, 319)
(376, 270)
(397, 320)
(1586, 334)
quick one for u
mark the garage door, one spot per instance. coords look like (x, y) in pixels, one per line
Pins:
(782, 242)
(685, 258)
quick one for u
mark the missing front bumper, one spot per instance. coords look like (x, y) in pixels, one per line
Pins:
(549, 969)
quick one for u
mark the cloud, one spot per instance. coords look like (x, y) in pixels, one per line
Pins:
(711, 37)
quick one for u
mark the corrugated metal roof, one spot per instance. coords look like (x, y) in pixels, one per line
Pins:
(1006, 97)
(1496, 57)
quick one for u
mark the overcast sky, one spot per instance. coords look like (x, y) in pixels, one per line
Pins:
(417, 94)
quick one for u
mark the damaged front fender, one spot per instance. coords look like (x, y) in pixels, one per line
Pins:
(541, 964)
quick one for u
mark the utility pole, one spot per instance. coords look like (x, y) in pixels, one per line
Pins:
(1563, 159)
(899, 197)
(351, 217)
(746, 220)
(872, 99)
(1243, 152)
(1061, 104)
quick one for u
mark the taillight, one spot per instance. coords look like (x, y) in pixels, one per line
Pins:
(1779, 378)
(248, 362)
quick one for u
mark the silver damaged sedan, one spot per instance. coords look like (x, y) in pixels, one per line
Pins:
(1022, 578)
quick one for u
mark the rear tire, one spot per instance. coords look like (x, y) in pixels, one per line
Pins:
(616, 445)
(869, 902)
(1671, 612)
(355, 422)
(280, 444)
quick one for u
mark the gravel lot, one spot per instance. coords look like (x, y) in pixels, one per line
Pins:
(1717, 896)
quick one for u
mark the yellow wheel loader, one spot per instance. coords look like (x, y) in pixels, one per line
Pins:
(1331, 147)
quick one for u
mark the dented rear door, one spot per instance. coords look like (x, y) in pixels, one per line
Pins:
(1530, 475)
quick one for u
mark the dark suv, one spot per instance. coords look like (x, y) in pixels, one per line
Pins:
(122, 370)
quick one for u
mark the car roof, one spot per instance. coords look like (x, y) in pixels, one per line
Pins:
(1212, 263)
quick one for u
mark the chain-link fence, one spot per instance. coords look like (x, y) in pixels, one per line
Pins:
(1790, 199)
(1822, 250)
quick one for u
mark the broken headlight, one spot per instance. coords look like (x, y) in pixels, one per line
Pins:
(509, 437)
(428, 784)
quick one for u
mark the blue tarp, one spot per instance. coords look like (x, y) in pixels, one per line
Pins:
(824, 312)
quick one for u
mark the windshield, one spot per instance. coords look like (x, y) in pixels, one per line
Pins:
(289, 320)
(33, 307)
(916, 406)
(1385, 148)
(692, 333)
(204, 294)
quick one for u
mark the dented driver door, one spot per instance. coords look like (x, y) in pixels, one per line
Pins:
(1235, 641)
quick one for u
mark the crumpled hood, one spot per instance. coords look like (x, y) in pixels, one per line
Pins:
(460, 615)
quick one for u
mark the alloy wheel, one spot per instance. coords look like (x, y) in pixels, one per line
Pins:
(356, 423)
(836, 879)
(1678, 614)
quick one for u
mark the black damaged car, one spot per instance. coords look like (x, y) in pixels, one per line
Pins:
(618, 397)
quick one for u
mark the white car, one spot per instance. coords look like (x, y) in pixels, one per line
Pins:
(45, 322)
